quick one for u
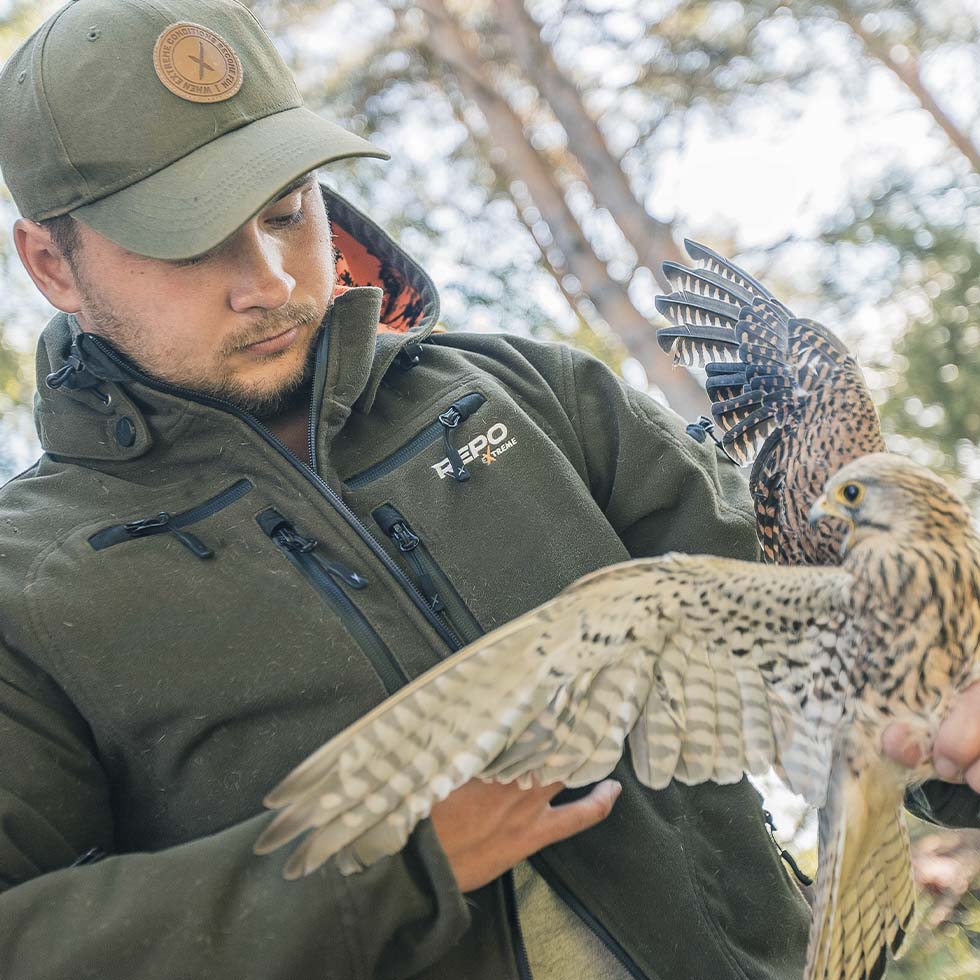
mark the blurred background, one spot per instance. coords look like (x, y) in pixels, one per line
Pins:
(547, 156)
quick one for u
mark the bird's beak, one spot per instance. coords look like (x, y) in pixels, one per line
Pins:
(821, 508)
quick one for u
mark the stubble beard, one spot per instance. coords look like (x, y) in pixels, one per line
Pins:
(289, 393)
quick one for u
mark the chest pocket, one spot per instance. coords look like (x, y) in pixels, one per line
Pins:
(443, 428)
(507, 533)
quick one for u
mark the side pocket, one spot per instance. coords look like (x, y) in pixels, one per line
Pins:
(327, 576)
(431, 580)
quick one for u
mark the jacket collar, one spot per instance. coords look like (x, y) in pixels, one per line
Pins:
(92, 405)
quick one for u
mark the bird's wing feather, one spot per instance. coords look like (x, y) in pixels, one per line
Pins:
(785, 394)
(865, 894)
(708, 665)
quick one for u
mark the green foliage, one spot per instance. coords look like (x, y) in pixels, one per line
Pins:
(929, 274)
(950, 952)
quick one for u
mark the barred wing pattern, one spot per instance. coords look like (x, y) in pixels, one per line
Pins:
(785, 394)
(865, 892)
(707, 665)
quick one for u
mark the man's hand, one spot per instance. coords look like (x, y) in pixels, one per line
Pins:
(956, 752)
(487, 828)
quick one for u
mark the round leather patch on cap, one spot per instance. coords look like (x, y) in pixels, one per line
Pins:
(197, 64)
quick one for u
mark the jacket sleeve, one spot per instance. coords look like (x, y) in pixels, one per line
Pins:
(659, 488)
(206, 908)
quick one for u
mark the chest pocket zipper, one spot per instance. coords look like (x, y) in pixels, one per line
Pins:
(327, 576)
(166, 523)
(429, 576)
(445, 426)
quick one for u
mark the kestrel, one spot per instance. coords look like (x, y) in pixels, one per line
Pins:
(709, 668)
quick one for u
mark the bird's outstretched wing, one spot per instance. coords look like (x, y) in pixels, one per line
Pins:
(711, 667)
(785, 394)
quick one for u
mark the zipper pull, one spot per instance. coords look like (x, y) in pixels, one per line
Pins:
(64, 376)
(407, 541)
(404, 537)
(450, 420)
(287, 536)
(191, 542)
(74, 375)
(162, 523)
(149, 525)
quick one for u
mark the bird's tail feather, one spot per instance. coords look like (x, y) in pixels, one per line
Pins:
(865, 898)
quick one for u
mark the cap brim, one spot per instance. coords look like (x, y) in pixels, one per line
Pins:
(198, 201)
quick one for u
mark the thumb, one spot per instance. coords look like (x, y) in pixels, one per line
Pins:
(901, 744)
(571, 818)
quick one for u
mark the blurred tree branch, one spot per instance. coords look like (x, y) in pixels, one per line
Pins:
(906, 70)
(652, 239)
(525, 164)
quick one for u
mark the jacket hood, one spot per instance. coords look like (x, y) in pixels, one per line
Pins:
(90, 405)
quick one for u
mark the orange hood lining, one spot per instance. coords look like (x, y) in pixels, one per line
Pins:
(366, 256)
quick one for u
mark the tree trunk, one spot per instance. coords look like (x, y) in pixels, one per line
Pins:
(651, 239)
(907, 72)
(523, 163)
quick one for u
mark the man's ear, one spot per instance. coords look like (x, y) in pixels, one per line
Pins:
(47, 267)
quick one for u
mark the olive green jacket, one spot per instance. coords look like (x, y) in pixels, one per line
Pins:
(188, 610)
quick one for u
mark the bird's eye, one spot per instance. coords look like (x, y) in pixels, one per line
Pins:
(850, 493)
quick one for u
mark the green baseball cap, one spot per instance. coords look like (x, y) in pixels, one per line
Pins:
(162, 124)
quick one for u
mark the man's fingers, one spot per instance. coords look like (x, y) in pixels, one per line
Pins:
(972, 777)
(957, 746)
(570, 818)
(552, 790)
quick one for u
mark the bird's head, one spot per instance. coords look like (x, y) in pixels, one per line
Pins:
(883, 493)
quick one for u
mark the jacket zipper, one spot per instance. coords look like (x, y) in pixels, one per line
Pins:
(326, 576)
(444, 425)
(164, 523)
(541, 866)
(431, 579)
(804, 880)
(309, 474)
(514, 921)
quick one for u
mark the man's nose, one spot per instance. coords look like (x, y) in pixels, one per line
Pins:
(260, 278)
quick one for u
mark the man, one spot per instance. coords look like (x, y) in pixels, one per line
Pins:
(259, 512)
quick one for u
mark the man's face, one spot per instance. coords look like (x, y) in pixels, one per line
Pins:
(238, 323)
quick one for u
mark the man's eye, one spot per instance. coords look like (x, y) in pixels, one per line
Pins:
(196, 260)
(284, 221)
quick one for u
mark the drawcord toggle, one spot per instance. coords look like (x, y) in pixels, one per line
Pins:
(409, 356)
(801, 877)
(703, 428)
(74, 376)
